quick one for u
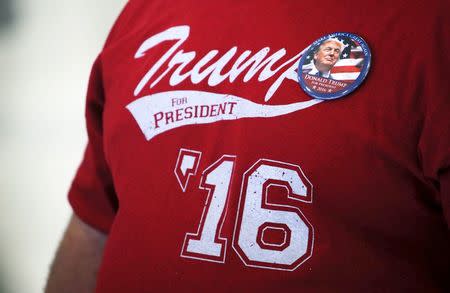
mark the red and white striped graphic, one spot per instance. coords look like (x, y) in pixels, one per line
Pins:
(348, 69)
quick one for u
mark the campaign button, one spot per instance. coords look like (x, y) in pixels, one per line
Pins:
(334, 66)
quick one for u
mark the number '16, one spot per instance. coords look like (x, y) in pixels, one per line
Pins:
(255, 217)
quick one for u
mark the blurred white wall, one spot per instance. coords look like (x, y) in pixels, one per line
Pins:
(45, 58)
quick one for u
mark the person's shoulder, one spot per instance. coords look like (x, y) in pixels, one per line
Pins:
(120, 22)
(132, 17)
(308, 68)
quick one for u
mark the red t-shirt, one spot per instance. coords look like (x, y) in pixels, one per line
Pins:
(211, 169)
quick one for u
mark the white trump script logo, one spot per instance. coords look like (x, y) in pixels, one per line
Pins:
(163, 111)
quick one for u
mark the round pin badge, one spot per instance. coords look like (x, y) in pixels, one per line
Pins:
(334, 66)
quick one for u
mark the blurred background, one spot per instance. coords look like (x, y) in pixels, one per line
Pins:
(46, 51)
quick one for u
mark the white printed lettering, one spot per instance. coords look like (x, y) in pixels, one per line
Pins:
(260, 62)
